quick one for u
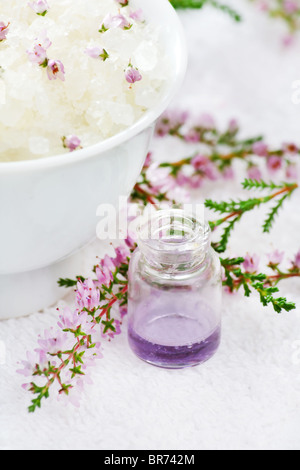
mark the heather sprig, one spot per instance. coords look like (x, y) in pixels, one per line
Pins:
(219, 149)
(244, 273)
(287, 11)
(233, 211)
(65, 354)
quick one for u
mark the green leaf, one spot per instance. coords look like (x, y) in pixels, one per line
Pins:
(271, 217)
(70, 282)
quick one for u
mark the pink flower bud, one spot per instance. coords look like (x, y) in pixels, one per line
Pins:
(206, 121)
(254, 173)
(37, 55)
(297, 260)
(40, 7)
(117, 21)
(87, 295)
(251, 264)
(132, 74)
(205, 166)
(290, 6)
(123, 3)
(233, 126)
(97, 52)
(274, 163)
(72, 142)
(3, 31)
(275, 258)
(260, 149)
(292, 171)
(55, 69)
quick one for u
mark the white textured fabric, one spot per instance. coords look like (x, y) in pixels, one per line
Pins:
(247, 396)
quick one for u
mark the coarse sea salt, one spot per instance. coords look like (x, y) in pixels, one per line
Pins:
(54, 85)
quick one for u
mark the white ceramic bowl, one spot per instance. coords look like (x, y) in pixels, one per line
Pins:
(48, 206)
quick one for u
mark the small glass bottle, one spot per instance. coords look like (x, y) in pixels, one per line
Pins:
(175, 292)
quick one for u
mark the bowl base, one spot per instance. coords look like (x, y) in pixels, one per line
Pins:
(22, 294)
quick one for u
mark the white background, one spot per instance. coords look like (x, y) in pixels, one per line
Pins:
(247, 396)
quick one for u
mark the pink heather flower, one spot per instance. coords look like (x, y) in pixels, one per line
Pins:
(275, 258)
(132, 74)
(104, 275)
(105, 271)
(72, 142)
(117, 21)
(122, 254)
(274, 163)
(40, 7)
(296, 262)
(171, 119)
(148, 160)
(55, 69)
(288, 40)
(206, 121)
(87, 295)
(28, 365)
(131, 240)
(123, 311)
(192, 136)
(292, 171)
(251, 263)
(52, 342)
(137, 15)
(122, 3)
(233, 126)
(290, 7)
(71, 320)
(196, 181)
(228, 290)
(37, 55)
(205, 166)
(3, 30)
(290, 148)
(228, 173)
(260, 149)
(182, 179)
(254, 173)
(97, 52)
(108, 263)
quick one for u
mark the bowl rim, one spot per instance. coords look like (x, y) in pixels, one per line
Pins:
(143, 123)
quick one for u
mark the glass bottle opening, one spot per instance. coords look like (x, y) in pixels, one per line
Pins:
(174, 237)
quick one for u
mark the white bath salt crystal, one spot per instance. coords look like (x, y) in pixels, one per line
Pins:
(146, 98)
(120, 113)
(145, 56)
(50, 87)
(39, 145)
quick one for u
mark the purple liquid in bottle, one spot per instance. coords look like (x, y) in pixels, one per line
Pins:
(171, 333)
(175, 292)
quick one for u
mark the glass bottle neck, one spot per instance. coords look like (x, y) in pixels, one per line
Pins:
(174, 241)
